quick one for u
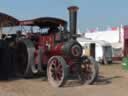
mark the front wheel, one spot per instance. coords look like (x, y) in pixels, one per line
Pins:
(88, 70)
(57, 71)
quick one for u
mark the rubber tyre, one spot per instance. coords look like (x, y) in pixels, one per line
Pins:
(109, 62)
(104, 61)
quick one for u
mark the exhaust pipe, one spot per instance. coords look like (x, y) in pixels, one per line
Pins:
(73, 20)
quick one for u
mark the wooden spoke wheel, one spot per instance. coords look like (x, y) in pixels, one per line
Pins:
(88, 71)
(57, 71)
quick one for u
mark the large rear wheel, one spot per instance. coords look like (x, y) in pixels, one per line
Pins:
(57, 71)
(25, 64)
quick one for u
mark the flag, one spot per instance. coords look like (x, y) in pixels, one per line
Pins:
(114, 28)
(93, 30)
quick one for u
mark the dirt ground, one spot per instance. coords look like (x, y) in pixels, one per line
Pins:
(113, 81)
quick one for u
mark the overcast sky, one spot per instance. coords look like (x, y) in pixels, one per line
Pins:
(92, 13)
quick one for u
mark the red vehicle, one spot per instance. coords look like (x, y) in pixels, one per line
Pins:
(44, 45)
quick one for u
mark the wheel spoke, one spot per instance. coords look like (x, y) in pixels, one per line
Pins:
(53, 66)
(56, 71)
(59, 67)
(88, 71)
(59, 76)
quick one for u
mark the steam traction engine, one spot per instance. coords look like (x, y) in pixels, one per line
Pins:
(55, 51)
(49, 48)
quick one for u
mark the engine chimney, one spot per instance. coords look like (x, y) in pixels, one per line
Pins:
(73, 20)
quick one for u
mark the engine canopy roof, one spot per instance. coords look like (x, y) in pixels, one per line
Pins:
(44, 22)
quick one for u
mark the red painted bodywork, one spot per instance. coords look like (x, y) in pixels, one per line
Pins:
(49, 48)
(54, 50)
(125, 40)
(48, 42)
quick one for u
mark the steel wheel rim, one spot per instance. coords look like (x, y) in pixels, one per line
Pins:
(88, 71)
(56, 72)
(34, 66)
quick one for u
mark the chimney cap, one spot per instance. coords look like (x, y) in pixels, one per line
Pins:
(73, 8)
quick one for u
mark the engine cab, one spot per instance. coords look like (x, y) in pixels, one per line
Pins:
(51, 36)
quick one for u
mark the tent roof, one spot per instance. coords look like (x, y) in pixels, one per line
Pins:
(7, 20)
(117, 45)
(100, 42)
